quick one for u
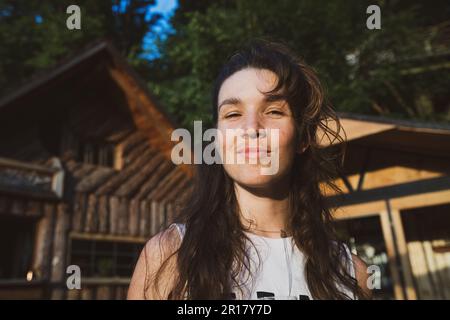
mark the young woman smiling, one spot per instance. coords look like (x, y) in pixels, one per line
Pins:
(245, 235)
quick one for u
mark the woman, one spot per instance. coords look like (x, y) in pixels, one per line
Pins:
(247, 235)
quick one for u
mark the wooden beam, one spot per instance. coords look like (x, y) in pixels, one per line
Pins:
(106, 237)
(421, 200)
(395, 191)
(401, 203)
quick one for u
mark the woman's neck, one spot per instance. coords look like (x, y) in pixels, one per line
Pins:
(265, 211)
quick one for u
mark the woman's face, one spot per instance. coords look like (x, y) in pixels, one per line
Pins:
(243, 105)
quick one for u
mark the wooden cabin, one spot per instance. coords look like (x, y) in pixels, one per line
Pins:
(85, 178)
(395, 206)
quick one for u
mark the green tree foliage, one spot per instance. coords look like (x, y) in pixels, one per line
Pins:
(34, 36)
(399, 71)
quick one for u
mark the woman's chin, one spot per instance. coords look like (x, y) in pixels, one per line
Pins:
(254, 180)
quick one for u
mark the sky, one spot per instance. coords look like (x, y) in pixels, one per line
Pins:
(166, 8)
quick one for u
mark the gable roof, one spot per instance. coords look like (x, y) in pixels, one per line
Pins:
(428, 138)
(148, 115)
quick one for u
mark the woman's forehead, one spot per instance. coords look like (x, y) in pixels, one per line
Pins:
(248, 83)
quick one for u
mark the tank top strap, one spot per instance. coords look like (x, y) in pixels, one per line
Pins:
(181, 228)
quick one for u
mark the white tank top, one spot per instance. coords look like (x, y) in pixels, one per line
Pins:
(278, 274)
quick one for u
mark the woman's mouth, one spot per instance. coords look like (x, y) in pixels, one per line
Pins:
(254, 151)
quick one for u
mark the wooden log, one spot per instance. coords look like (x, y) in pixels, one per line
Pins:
(104, 292)
(171, 182)
(162, 216)
(83, 170)
(117, 180)
(87, 293)
(133, 152)
(133, 183)
(103, 214)
(114, 215)
(74, 294)
(156, 217)
(97, 178)
(144, 219)
(60, 249)
(43, 241)
(123, 216)
(181, 188)
(169, 213)
(132, 140)
(163, 169)
(134, 217)
(121, 292)
(91, 224)
(79, 212)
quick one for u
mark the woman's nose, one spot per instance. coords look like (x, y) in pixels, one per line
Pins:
(252, 125)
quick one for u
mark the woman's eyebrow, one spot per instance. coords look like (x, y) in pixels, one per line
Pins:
(274, 98)
(232, 101)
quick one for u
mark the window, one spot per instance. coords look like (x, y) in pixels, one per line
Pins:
(91, 150)
(105, 258)
(96, 153)
(16, 247)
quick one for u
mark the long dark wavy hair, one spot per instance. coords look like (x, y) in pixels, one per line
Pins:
(214, 249)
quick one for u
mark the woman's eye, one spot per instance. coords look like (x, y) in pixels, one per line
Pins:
(232, 115)
(275, 112)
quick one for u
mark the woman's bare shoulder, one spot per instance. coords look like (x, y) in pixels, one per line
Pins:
(361, 274)
(159, 248)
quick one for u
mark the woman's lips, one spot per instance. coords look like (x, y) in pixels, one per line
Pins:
(257, 151)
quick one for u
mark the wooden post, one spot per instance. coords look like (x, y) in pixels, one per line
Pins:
(59, 249)
(43, 241)
(392, 254)
(403, 252)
